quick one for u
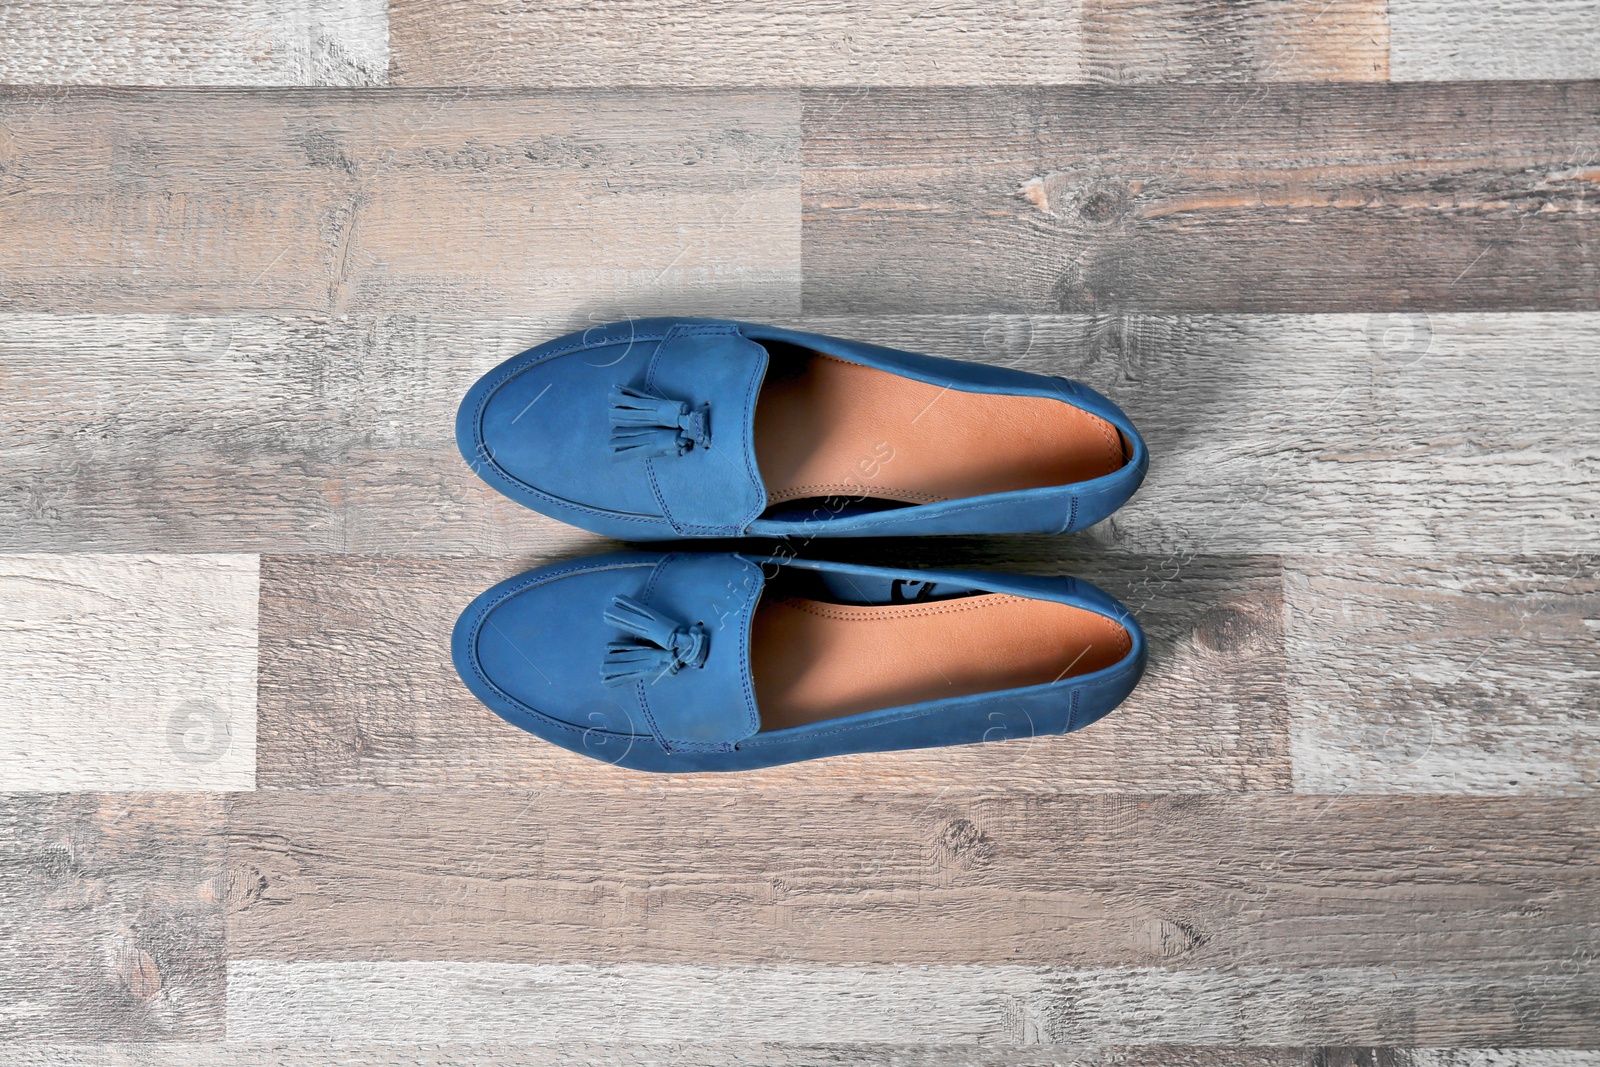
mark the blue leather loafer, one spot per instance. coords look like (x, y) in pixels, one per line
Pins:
(725, 662)
(660, 429)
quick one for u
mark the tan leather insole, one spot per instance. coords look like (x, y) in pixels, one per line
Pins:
(825, 427)
(813, 660)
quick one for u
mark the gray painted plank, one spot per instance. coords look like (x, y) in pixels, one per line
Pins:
(568, 43)
(583, 1002)
(184, 42)
(127, 672)
(357, 688)
(1444, 40)
(758, 874)
(1270, 434)
(1262, 198)
(282, 433)
(1432, 677)
(331, 201)
(111, 924)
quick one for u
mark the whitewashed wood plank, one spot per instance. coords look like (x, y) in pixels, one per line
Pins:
(1489, 1057)
(1470, 40)
(1283, 434)
(194, 42)
(1466, 676)
(128, 672)
(1270, 434)
(442, 1002)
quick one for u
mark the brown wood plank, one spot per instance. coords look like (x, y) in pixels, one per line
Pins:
(1129, 42)
(769, 875)
(111, 918)
(1466, 676)
(568, 43)
(357, 688)
(339, 200)
(1267, 198)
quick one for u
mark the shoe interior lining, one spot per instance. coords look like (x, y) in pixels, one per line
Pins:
(817, 659)
(827, 429)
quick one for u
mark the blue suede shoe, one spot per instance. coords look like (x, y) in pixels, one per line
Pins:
(725, 662)
(660, 429)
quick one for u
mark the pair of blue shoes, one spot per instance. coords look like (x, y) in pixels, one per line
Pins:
(669, 429)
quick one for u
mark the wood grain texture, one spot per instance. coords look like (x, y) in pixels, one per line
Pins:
(737, 1054)
(357, 689)
(770, 1054)
(744, 42)
(1270, 434)
(161, 432)
(340, 200)
(1129, 42)
(1322, 433)
(583, 1002)
(1446, 40)
(127, 672)
(111, 921)
(765, 876)
(1266, 198)
(184, 42)
(1468, 676)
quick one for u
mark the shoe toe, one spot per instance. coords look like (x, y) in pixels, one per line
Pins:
(546, 425)
(536, 645)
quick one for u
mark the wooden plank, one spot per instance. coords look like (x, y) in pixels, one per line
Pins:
(215, 42)
(1128, 42)
(757, 875)
(1446, 40)
(336, 1053)
(111, 922)
(1307, 434)
(568, 43)
(584, 1002)
(1265, 198)
(267, 432)
(454, 201)
(1270, 434)
(357, 690)
(1431, 677)
(702, 1053)
(127, 672)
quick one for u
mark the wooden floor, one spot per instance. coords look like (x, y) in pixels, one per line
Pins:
(1339, 259)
